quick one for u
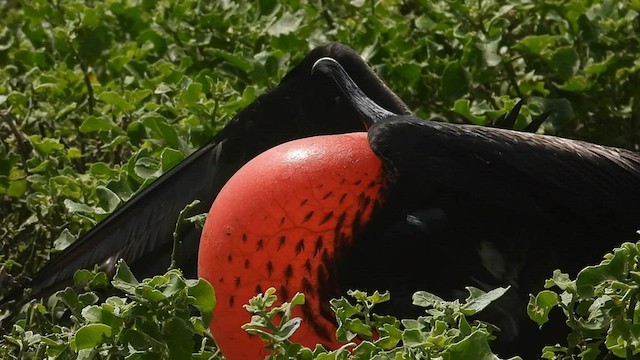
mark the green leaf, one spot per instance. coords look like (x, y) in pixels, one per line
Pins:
(67, 109)
(74, 153)
(412, 337)
(124, 278)
(95, 123)
(565, 61)
(610, 269)
(286, 24)
(151, 293)
(17, 183)
(623, 338)
(151, 36)
(474, 346)
(410, 71)
(121, 187)
(539, 306)
(179, 336)
(138, 95)
(45, 146)
(135, 339)
(101, 170)
(594, 69)
(536, 44)
(235, 60)
(490, 51)
(462, 107)
(159, 126)
(107, 199)
(464, 326)
(561, 280)
(76, 207)
(90, 17)
(190, 95)
(67, 186)
(93, 41)
(65, 239)
(17, 99)
(162, 88)
(268, 7)
(91, 335)
(562, 111)
(426, 299)
(147, 168)
(288, 329)
(103, 314)
(175, 284)
(455, 81)
(478, 299)
(576, 84)
(82, 275)
(87, 298)
(115, 99)
(203, 297)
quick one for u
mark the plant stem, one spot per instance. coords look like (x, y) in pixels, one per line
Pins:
(177, 241)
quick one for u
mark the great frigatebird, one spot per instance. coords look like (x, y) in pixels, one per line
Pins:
(498, 200)
(141, 231)
(412, 205)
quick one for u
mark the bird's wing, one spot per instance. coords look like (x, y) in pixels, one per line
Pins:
(521, 171)
(142, 225)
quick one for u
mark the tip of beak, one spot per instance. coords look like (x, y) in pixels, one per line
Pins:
(324, 62)
(368, 110)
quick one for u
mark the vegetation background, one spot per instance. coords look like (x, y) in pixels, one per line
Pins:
(98, 98)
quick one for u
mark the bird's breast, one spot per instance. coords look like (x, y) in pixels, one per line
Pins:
(283, 220)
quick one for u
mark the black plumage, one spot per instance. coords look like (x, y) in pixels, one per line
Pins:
(486, 207)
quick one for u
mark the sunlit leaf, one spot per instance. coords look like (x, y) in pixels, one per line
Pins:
(91, 335)
(540, 306)
(115, 99)
(288, 23)
(95, 123)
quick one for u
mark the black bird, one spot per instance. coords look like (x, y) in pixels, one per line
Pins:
(423, 205)
(488, 204)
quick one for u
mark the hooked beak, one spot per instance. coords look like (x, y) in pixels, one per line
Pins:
(368, 111)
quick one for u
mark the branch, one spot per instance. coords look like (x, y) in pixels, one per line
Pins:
(24, 146)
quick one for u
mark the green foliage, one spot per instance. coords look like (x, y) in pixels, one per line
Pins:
(577, 58)
(144, 320)
(443, 333)
(601, 307)
(98, 98)
(154, 319)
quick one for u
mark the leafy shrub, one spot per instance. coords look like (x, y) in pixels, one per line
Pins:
(154, 318)
(443, 332)
(144, 320)
(601, 307)
(98, 98)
